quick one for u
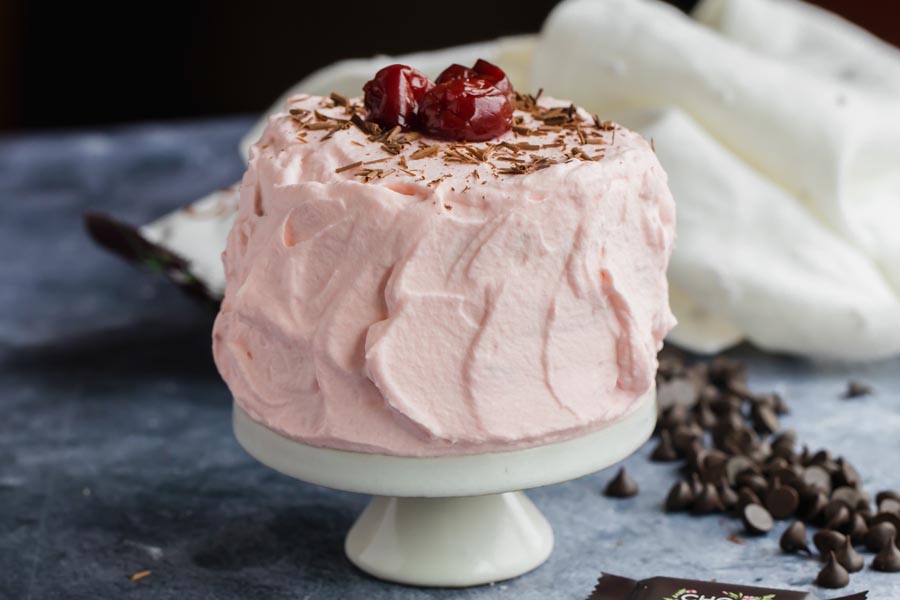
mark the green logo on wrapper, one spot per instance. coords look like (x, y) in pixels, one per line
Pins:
(688, 594)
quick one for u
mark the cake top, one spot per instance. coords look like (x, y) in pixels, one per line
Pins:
(333, 139)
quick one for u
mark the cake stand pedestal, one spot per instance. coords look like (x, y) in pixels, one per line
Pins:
(450, 521)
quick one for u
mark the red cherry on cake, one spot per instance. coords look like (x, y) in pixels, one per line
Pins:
(482, 69)
(392, 97)
(466, 109)
(456, 71)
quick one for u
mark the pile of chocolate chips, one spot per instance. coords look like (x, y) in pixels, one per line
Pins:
(738, 461)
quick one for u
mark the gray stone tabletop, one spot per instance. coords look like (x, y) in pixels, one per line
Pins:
(116, 451)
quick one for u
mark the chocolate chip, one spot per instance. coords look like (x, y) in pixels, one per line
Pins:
(794, 538)
(782, 501)
(704, 415)
(664, 452)
(674, 416)
(837, 515)
(832, 575)
(892, 518)
(680, 393)
(781, 407)
(622, 486)
(684, 436)
(847, 475)
(883, 494)
(849, 496)
(888, 559)
(855, 389)
(727, 496)
(828, 541)
(757, 520)
(713, 467)
(680, 497)
(738, 465)
(849, 558)
(816, 478)
(858, 528)
(879, 536)
(707, 501)
(747, 496)
(889, 505)
(764, 419)
(755, 482)
(812, 507)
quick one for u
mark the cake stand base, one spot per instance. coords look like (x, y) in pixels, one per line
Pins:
(450, 542)
(449, 521)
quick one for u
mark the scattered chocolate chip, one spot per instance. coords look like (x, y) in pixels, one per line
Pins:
(879, 536)
(848, 496)
(837, 515)
(828, 541)
(816, 478)
(782, 501)
(884, 494)
(781, 407)
(707, 501)
(737, 465)
(704, 415)
(664, 452)
(684, 436)
(747, 496)
(849, 558)
(622, 486)
(677, 392)
(855, 389)
(755, 482)
(813, 507)
(728, 497)
(832, 575)
(888, 559)
(764, 419)
(757, 520)
(889, 505)
(892, 518)
(847, 475)
(858, 529)
(794, 538)
(680, 497)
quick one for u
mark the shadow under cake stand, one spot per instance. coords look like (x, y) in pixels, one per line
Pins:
(450, 521)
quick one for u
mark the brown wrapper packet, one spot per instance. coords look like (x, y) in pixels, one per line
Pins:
(613, 587)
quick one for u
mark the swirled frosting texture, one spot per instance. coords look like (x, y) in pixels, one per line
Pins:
(448, 306)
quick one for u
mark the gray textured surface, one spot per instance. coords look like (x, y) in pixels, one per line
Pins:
(116, 453)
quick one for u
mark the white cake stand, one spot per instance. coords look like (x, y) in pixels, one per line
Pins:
(451, 521)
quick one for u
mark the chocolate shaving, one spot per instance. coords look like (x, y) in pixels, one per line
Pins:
(339, 100)
(424, 152)
(348, 167)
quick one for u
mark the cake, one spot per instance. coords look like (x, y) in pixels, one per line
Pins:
(393, 292)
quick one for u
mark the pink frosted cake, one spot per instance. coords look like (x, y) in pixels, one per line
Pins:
(395, 293)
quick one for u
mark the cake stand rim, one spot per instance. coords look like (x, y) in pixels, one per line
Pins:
(454, 475)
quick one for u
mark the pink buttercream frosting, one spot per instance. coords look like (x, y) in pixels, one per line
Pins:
(443, 305)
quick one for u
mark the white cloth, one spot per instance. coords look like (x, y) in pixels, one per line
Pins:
(779, 126)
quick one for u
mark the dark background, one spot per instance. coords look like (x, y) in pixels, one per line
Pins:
(66, 64)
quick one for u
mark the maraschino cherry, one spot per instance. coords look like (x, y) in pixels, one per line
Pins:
(482, 69)
(466, 109)
(470, 104)
(392, 97)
